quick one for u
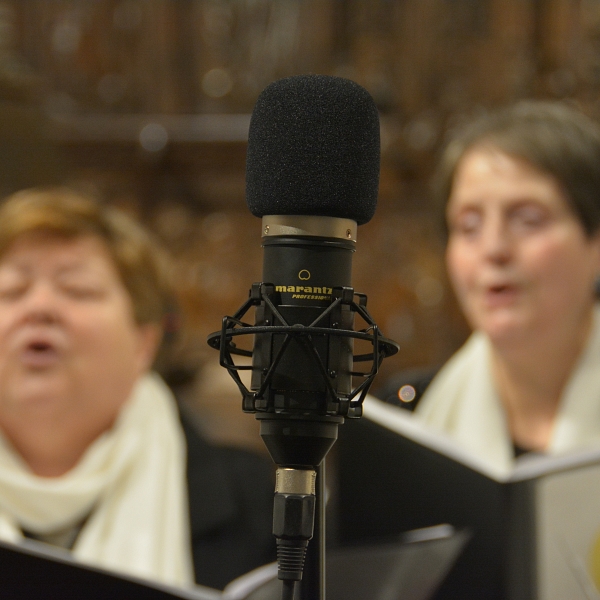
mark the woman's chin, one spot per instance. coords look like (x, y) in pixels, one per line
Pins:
(35, 395)
(506, 329)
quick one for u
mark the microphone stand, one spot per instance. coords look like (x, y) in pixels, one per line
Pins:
(298, 440)
(314, 582)
(301, 442)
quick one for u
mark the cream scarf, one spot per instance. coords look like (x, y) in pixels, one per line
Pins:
(131, 482)
(462, 402)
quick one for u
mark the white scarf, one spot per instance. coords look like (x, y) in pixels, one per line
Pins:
(131, 482)
(462, 402)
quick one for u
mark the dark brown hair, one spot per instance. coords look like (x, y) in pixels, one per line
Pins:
(552, 136)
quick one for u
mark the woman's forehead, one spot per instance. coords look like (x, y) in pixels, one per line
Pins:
(487, 166)
(48, 246)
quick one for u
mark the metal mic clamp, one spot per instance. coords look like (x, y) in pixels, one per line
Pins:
(328, 348)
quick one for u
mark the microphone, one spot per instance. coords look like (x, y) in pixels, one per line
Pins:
(312, 175)
(313, 149)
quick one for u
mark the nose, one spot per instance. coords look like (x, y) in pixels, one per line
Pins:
(41, 303)
(495, 240)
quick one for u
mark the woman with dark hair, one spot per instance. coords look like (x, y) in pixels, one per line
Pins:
(520, 189)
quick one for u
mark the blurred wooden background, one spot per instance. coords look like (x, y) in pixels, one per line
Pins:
(147, 103)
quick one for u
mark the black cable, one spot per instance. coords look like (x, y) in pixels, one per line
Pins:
(288, 589)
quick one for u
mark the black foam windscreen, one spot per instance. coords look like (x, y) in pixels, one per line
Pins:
(313, 149)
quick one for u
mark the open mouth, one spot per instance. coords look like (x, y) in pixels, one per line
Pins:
(39, 354)
(500, 289)
(500, 294)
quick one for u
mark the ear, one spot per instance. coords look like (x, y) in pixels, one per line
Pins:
(149, 339)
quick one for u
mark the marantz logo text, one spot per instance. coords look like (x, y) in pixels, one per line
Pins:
(307, 289)
(306, 292)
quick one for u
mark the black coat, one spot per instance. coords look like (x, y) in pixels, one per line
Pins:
(231, 509)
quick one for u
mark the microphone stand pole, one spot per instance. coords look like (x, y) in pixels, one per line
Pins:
(313, 583)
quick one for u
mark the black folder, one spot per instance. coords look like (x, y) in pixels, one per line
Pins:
(409, 568)
(535, 529)
(36, 571)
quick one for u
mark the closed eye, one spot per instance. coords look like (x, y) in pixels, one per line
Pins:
(529, 216)
(12, 292)
(84, 292)
(467, 222)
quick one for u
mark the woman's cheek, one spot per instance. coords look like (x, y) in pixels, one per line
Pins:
(460, 269)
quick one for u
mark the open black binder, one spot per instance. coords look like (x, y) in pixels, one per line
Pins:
(35, 571)
(409, 568)
(535, 530)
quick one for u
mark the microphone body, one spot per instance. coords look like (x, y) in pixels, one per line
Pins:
(300, 378)
(304, 270)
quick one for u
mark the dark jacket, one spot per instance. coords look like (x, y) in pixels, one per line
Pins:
(231, 508)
